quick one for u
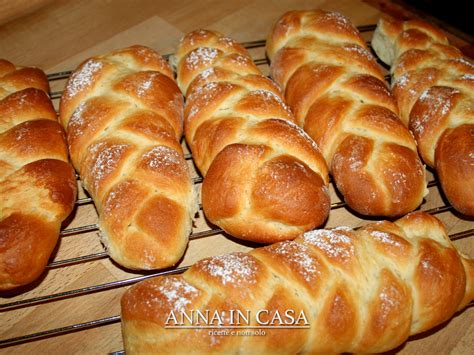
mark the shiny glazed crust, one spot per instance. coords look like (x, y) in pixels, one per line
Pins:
(264, 179)
(362, 291)
(123, 115)
(337, 91)
(37, 184)
(434, 87)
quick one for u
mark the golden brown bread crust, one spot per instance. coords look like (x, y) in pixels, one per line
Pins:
(123, 115)
(361, 291)
(264, 178)
(339, 97)
(37, 184)
(434, 84)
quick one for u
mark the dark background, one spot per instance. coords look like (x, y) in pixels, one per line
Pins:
(459, 14)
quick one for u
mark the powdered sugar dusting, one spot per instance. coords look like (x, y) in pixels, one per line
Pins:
(298, 254)
(355, 164)
(268, 96)
(106, 160)
(334, 243)
(149, 258)
(227, 41)
(205, 91)
(200, 57)
(163, 157)
(425, 95)
(354, 160)
(399, 178)
(384, 238)
(389, 300)
(144, 86)
(207, 73)
(402, 81)
(386, 299)
(467, 77)
(340, 21)
(148, 55)
(241, 60)
(177, 292)
(398, 182)
(428, 267)
(281, 173)
(233, 268)
(204, 95)
(76, 122)
(83, 78)
(112, 203)
(465, 62)
(21, 133)
(190, 37)
(358, 50)
(435, 104)
(176, 104)
(22, 99)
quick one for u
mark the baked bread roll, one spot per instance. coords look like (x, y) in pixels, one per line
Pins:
(337, 91)
(37, 184)
(434, 87)
(361, 291)
(123, 116)
(264, 179)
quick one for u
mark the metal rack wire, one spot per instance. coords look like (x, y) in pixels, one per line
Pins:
(76, 231)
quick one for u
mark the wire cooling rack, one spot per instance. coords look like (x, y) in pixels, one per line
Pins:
(83, 201)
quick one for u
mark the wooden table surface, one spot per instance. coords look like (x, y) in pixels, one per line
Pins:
(58, 37)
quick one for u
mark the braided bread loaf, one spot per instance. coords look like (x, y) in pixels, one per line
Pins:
(361, 291)
(37, 184)
(265, 179)
(434, 87)
(123, 115)
(337, 92)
